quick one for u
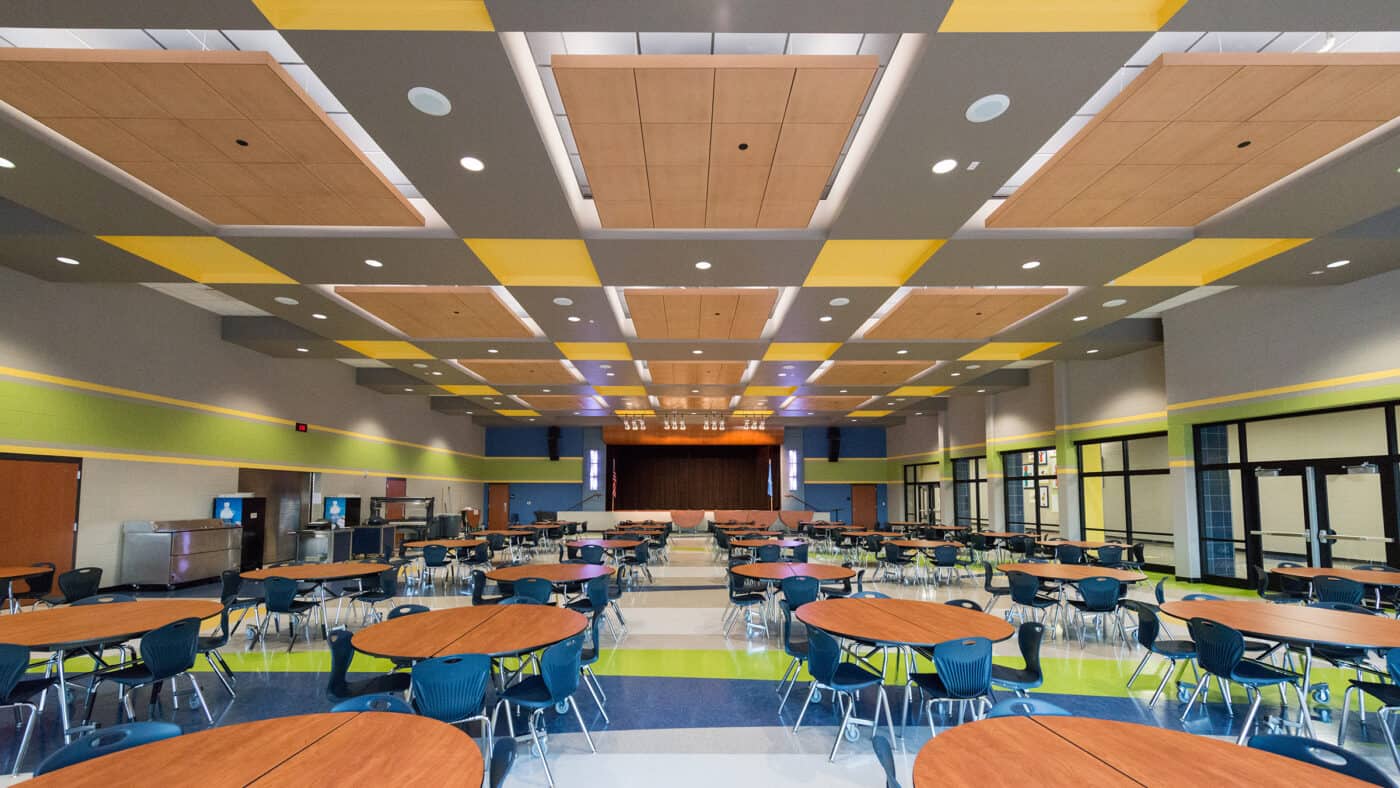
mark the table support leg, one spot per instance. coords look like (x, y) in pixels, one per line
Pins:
(1307, 686)
(63, 695)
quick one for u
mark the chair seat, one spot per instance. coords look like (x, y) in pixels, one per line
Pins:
(1085, 607)
(297, 606)
(850, 676)
(1180, 649)
(389, 682)
(1260, 674)
(530, 693)
(1016, 678)
(211, 642)
(747, 599)
(1387, 694)
(1042, 601)
(1282, 598)
(372, 596)
(1336, 654)
(132, 675)
(28, 688)
(932, 685)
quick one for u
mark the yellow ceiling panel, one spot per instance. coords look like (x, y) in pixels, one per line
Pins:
(385, 349)
(1203, 260)
(622, 391)
(742, 413)
(769, 391)
(201, 258)
(869, 414)
(469, 391)
(640, 412)
(1007, 351)
(918, 391)
(869, 263)
(1057, 16)
(800, 351)
(518, 412)
(376, 14)
(536, 262)
(595, 351)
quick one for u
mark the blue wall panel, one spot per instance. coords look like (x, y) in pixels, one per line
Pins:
(855, 442)
(532, 442)
(526, 499)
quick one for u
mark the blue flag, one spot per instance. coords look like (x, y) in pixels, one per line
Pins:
(770, 477)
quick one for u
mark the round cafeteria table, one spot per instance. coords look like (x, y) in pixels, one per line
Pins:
(941, 527)
(905, 622)
(69, 628)
(1073, 573)
(1083, 545)
(606, 544)
(320, 574)
(999, 534)
(451, 544)
(1296, 625)
(863, 534)
(777, 571)
(496, 630)
(558, 574)
(1067, 752)
(922, 544)
(12, 573)
(786, 544)
(368, 748)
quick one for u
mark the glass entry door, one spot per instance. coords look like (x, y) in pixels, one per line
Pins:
(1322, 514)
(925, 503)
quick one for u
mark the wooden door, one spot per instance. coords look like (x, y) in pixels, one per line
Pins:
(39, 510)
(498, 506)
(863, 508)
(395, 487)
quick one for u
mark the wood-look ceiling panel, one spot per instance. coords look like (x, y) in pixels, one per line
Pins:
(820, 403)
(870, 373)
(694, 403)
(1224, 126)
(170, 115)
(961, 312)
(707, 128)
(520, 373)
(700, 313)
(561, 402)
(696, 373)
(439, 312)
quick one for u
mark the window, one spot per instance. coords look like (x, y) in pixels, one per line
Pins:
(593, 470)
(792, 470)
(1125, 494)
(1032, 491)
(970, 491)
(922, 502)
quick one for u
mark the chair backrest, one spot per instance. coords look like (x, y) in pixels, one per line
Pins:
(1201, 598)
(478, 586)
(279, 593)
(893, 552)
(342, 652)
(1026, 707)
(1160, 591)
(799, 553)
(230, 583)
(964, 603)
(591, 554)
(885, 755)
(1218, 648)
(964, 666)
(1069, 554)
(874, 543)
(389, 582)
(642, 553)
(376, 702)
(987, 579)
(1330, 588)
(520, 600)
(798, 590)
(560, 665)
(14, 661)
(451, 688)
(823, 655)
(769, 554)
(39, 585)
(171, 649)
(407, 610)
(977, 542)
(104, 599)
(1110, 554)
(1320, 753)
(536, 588)
(1100, 594)
(496, 541)
(502, 758)
(1028, 637)
(1149, 626)
(868, 594)
(945, 556)
(1024, 587)
(107, 741)
(78, 583)
(1346, 607)
(435, 555)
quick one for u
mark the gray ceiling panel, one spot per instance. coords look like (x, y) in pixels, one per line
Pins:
(750, 16)
(505, 349)
(203, 14)
(596, 321)
(803, 321)
(1063, 261)
(37, 255)
(1284, 15)
(733, 263)
(1307, 264)
(340, 322)
(422, 261)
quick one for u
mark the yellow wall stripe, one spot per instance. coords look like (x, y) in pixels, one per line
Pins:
(1156, 414)
(1347, 380)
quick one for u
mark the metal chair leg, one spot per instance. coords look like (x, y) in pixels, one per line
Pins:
(1140, 666)
(1249, 718)
(581, 726)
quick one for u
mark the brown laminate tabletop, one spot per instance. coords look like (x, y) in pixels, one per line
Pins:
(1370, 577)
(904, 621)
(1003, 534)
(1077, 751)
(784, 543)
(455, 544)
(18, 572)
(1073, 573)
(554, 573)
(606, 544)
(304, 750)
(1083, 545)
(498, 630)
(781, 569)
(942, 527)
(105, 623)
(1293, 623)
(922, 544)
(316, 573)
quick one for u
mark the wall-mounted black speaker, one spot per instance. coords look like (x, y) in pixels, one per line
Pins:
(833, 444)
(553, 437)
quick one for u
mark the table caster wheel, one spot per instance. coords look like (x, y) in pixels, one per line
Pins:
(852, 734)
(1323, 714)
(1183, 693)
(1322, 693)
(561, 707)
(817, 696)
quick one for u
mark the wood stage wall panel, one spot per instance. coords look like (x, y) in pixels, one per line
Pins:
(695, 477)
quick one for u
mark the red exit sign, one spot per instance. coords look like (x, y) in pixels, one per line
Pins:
(301, 426)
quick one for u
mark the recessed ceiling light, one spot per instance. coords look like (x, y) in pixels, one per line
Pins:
(697, 352)
(408, 389)
(374, 264)
(469, 413)
(825, 318)
(974, 366)
(575, 319)
(1316, 273)
(531, 419)
(288, 300)
(6, 164)
(611, 374)
(67, 260)
(839, 301)
(810, 413)
(1091, 351)
(920, 413)
(492, 350)
(843, 391)
(1029, 264)
(957, 374)
(703, 265)
(473, 164)
(1112, 302)
(563, 301)
(303, 350)
(435, 372)
(1338, 263)
(782, 374)
(420, 365)
(1080, 318)
(945, 166)
(318, 315)
(981, 391)
(901, 352)
(789, 366)
(546, 390)
(988, 108)
(695, 391)
(429, 101)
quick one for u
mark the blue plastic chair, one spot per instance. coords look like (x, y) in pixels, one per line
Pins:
(591, 554)
(1387, 694)
(964, 675)
(1069, 554)
(798, 590)
(103, 599)
(16, 690)
(434, 557)
(384, 589)
(966, 604)
(452, 689)
(502, 758)
(339, 687)
(799, 554)
(1110, 556)
(996, 592)
(1330, 588)
(166, 653)
(1099, 597)
(1025, 595)
(896, 560)
(280, 598)
(885, 755)
(406, 610)
(107, 741)
(768, 554)
(1149, 630)
(558, 680)
(520, 600)
(1323, 754)
(1220, 653)
(1026, 707)
(377, 702)
(536, 588)
(592, 651)
(1030, 676)
(745, 601)
(639, 559)
(843, 679)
